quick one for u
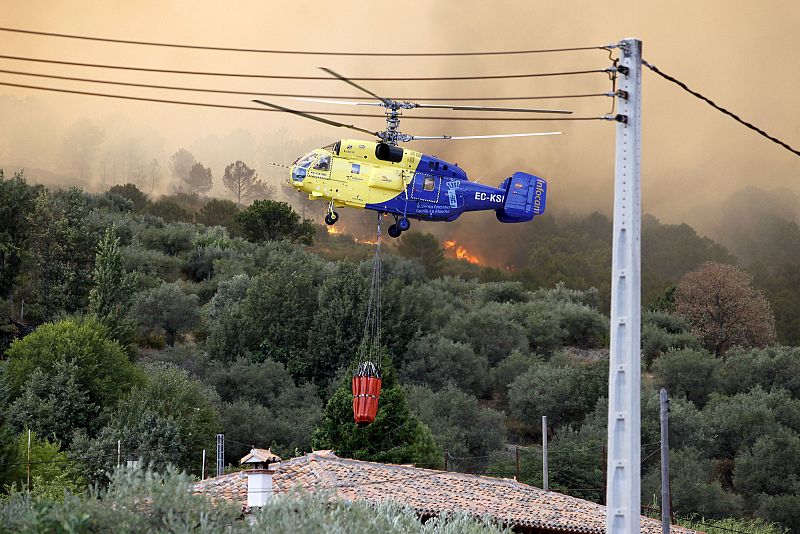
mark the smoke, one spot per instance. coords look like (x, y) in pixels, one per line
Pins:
(737, 52)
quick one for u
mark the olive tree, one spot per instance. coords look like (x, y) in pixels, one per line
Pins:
(167, 309)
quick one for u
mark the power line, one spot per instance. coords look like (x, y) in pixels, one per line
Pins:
(290, 95)
(73, 458)
(252, 108)
(316, 78)
(301, 52)
(703, 524)
(720, 108)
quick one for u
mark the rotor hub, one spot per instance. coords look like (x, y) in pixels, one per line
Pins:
(392, 135)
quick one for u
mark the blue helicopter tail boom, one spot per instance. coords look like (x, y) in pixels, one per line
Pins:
(526, 197)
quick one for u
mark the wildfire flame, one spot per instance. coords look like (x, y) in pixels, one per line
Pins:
(338, 230)
(461, 252)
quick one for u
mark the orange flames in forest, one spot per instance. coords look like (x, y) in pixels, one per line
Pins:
(339, 231)
(461, 252)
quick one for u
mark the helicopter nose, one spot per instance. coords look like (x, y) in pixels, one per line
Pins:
(298, 174)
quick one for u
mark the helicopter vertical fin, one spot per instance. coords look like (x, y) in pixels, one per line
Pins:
(526, 197)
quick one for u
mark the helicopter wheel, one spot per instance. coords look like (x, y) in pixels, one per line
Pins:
(331, 218)
(403, 224)
(394, 231)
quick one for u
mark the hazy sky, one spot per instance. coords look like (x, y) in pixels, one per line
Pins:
(741, 54)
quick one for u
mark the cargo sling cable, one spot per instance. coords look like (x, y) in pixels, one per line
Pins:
(367, 373)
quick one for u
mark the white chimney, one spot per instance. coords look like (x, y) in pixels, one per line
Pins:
(259, 487)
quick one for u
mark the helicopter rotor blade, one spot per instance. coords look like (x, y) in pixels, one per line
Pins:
(341, 102)
(315, 118)
(488, 108)
(354, 84)
(459, 137)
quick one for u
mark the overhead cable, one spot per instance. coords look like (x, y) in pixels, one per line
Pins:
(299, 52)
(292, 95)
(73, 458)
(692, 519)
(325, 113)
(315, 78)
(720, 108)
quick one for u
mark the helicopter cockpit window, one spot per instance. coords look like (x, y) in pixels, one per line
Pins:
(428, 184)
(305, 161)
(323, 163)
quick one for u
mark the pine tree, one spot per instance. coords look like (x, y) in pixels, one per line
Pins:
(200, 179)
(243, 182)
(396, 436)
(112, 296)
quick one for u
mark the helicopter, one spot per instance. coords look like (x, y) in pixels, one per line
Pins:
(381, 176)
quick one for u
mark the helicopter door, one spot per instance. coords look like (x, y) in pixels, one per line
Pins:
(426, 187)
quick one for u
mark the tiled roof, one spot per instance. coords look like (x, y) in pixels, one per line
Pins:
(231, 487)
(431, 492)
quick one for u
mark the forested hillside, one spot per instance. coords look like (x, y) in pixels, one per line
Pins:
(157, 323)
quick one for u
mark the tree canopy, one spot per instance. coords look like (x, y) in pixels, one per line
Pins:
(724, 309)
(396, 435)
(269, 220)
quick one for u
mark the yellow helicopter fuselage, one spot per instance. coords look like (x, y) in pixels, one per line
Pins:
(350, 174)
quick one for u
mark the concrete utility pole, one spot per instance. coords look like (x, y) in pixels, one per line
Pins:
(545, 469)
(119, 451)
(624, 402)
(665, 500)
(203, 467)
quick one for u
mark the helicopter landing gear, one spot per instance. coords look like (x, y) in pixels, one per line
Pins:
(331, 217)
(400, 225)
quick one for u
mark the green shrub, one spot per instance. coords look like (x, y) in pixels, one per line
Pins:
(99, 366)
(459, 423)
(436, 361)
(695, 489)
(687, 373)
(564, 394)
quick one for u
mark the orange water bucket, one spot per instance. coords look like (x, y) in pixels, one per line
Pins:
(366, 391)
